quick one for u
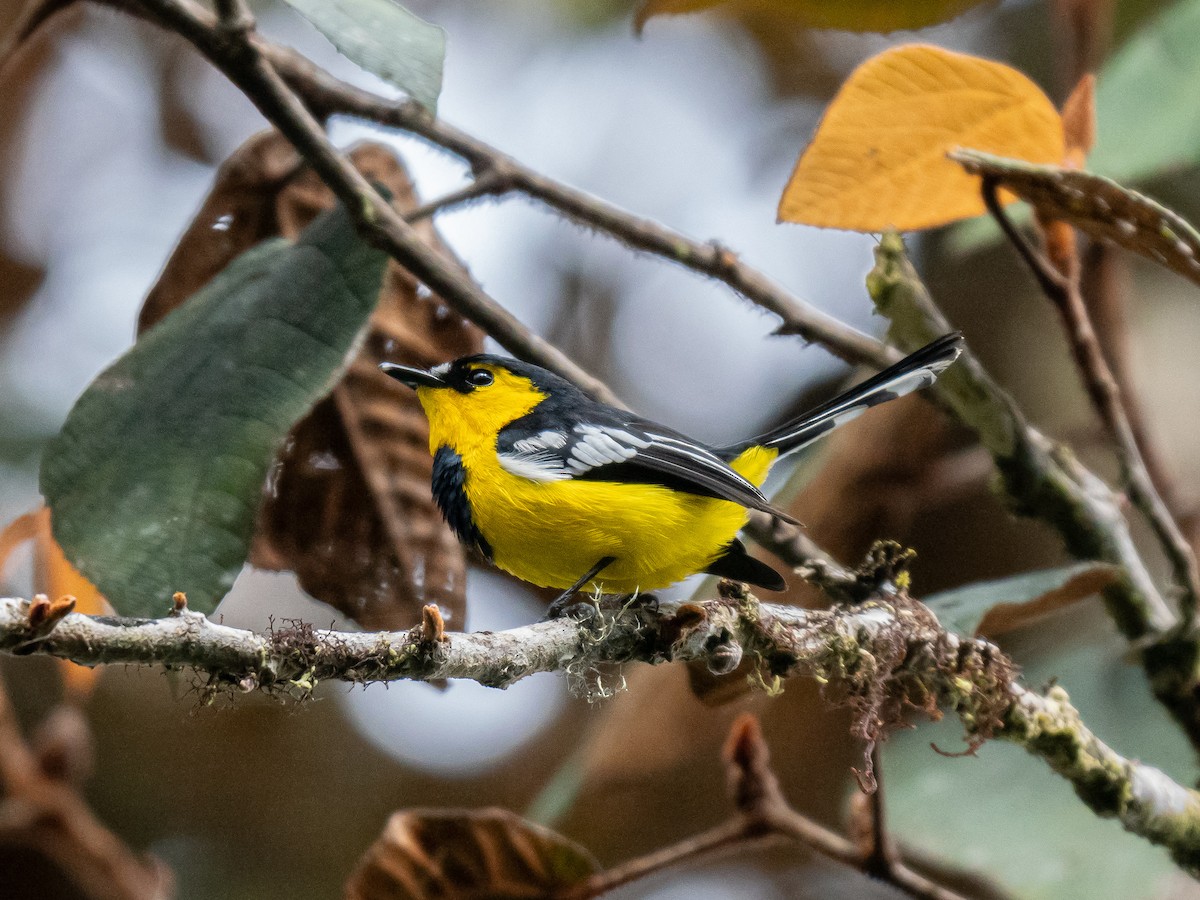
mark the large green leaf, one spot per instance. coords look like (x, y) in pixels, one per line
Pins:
(155, 479)
(385, 39)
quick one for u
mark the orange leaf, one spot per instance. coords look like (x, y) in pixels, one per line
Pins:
(878, 160)
(17, 532)
(54, 576)
(847, 15)
(1079, 122)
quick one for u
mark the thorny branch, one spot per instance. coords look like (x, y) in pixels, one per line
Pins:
(884, 659)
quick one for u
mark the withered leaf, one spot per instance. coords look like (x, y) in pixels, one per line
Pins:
(1099, 207)
(347, 506)
(424, 854)
(992, 608)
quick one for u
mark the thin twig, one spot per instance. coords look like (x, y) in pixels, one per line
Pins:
(836, 847)
(328, 96)
(736, 834)
(881, 857)
(485, 185)
(1104, 284)
(762, 813)
(1102, 388)
(234, 16)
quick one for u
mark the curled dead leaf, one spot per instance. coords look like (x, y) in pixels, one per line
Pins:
(467, 854)
(993, 608)
(347, 506)
(1099, 207)
(878, 160)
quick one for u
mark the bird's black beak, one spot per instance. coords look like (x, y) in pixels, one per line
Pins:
(413, 377)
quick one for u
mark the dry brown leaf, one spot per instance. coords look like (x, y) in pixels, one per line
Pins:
(878, 160)
(1005, 617)
(348, 506)
(466, 854)
(1099, 207)
(55, 577)
(19, 77)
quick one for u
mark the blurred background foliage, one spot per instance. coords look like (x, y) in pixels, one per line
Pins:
(110, 134)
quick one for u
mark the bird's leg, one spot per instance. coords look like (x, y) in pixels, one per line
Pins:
(563, 600)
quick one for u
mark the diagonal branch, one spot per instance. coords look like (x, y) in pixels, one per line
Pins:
(1043, 478)
(241, 60)
(1063, 291)
(763, 814)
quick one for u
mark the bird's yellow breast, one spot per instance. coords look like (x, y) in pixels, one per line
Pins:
(551, 533)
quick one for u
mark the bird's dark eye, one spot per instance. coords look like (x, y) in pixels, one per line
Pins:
(480, 377)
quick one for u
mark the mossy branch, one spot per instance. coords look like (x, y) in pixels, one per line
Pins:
(884, 659)
(1043, 479)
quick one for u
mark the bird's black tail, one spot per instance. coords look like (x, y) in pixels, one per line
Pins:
(917, 370)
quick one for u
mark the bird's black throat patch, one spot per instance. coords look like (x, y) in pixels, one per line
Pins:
(449, 478)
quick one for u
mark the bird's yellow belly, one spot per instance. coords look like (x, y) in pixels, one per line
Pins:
(552, 533)
(656, 535)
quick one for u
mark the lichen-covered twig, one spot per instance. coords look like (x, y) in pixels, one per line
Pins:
(884, 659)
(1043, 479)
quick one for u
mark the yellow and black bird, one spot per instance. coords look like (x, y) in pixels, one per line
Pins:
(563, 491)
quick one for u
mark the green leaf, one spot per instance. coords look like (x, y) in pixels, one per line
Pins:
(1146, 100)
(157, 474)
(385, 39)
(994, 607)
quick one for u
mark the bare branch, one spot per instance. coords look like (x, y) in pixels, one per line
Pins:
(1063, 291)
(328, 96)
(1043, 478)
(763, 814)
(241, 60)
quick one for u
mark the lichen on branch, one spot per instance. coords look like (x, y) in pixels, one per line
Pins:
(885, 658)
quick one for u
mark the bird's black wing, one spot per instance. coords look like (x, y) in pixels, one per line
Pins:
(598, 443)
